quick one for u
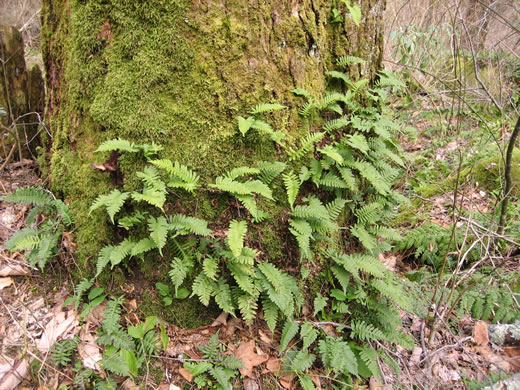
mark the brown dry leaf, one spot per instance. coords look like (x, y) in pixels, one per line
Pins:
(317, 381)
(246, 352)
(13, 378)
(250, 384)
(59, 326)
(13, 270)
(186, 374)
(232, 325)
(514, 354)
(416, 357)
(5, 282)
(389, 260)
(266, 339)
(374, 384)
(221, 319)
(286, 381)
(480, 333)
(273, 365)
(89, 352)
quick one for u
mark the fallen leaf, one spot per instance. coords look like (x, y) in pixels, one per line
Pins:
(5, 282)
(221, 319)
(514, 354)
(13, 270)
(273, 365)
(266, 339)
(129, 385)
(186, 374)
(374, 384)
(286, 381)
(416, 357)
(250, 384)
(89, 352)
(246, 353)
(13, 378)
(480, 333)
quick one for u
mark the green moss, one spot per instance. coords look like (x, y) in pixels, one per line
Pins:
(489, 173)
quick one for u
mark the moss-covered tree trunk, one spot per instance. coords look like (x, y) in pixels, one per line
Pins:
(179, 73)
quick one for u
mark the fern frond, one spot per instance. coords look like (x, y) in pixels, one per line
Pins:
(272, 274)
(210, 267)
(366, 332)
(348, 178)
(346, 61)
(299, 361)
(242, 171)
(290, 329)
(203, 287)
(333, 153)
(260, 188)
(244, 124)
(158, 228)
(113, 202)
(223, 296)
(335, 208)
(336, 355)
(267, 107)
(29, 195)
(302, 92)
(63, 212)
(117, 364)
(27, 238)
(369, 214)
(103, 259)
(339, 75)
(392, 291)
(331, 180)
(302, 231)
(119, 252)
(307, 108)
(142, 246)
(330, 99)
(46, 249)
(370, 173)
(179, 269)
(336, 124)
(248, 305)
(369, 356)
(359, 85)
(358, 141)
(306, 145)
(242, 277)
(292, 186)
(235, 237)
(269, 170)
(316, 210)
(186, 225)
(232, 186)
(111, 315)
(270, 313)
(117, 144)
(182, 176)
(131, 220)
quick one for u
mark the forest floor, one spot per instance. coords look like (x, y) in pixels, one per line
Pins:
(33, 318)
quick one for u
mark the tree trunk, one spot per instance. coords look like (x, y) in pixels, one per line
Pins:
(179, 73)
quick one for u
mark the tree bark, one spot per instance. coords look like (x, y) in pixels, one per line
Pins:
(179, 73)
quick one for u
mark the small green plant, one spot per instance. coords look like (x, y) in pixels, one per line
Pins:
(164, 292)
(62, 354)
(216, 366)
(47, 220)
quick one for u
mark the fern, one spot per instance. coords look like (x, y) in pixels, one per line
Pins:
(347, 61)
(302, 231)
(121, 251)
(370, 173)
(223, 298)
(113, 202)
(248, 304)
(242, 171)
(270, 170)
(29, 195)
(103, 259)
(131, 220)
(235, 238)
(117, 144)
(292, 186)
(306, 145)
(359, 85)
(142, 246)
(332, 153)
(154, 191)
(179, 269)
(337, 356)
(186, 225)
(267, 107)
(181, 175)
(111, 315)
(27, 238)
(364, 331)
(210, 267)
(339, 75)
(290, 329)
(336, 124)
(158, 228)
(203, 287)
(369, 356)
(307, 108)
(369, 214)
(358, 141)
(335, 207)
(270, 313)
(302, 92)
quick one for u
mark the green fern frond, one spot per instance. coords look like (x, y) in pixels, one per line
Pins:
(330, 99)
(336, 124)
(339, 75)
(273, 275)
(27, 238)
(223, 296)
(335, 208)
(270, 170)
(242, 277)
(117, 364)
(113, 202)
(333, 153)
(179, 269)
(306, 145)
(290, 329)
(117, 144)
(366, 332)
(363, 125)
(358, 141)
(29, 195)
(302, 231)
(370, 173)
(103, 259)
(242, 171)
(337, 356)
(46, 249)
(359, 85)
(369, 214)
(63, 212)
(186, 225)
(142, 246)
(307, 108)
(203, 288)
(369, 356)
(346, 61)
(119, 252)
(302, 92)
(249, 202)
(394, 292)
(111, 315)
(331, 180)
(131, 220)
(158, 228)
(348, 178)
(262, 126)
(235, 237)
(299, 361)
(232, 186)
(260, 188)
(292, 186)
(314, 210)
(270, 312)
(248, 305)
(244, 124)
(210, 267)
(267, 107)
(181, 175)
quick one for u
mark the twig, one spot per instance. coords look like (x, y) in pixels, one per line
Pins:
(458, 344)
(49, 366)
